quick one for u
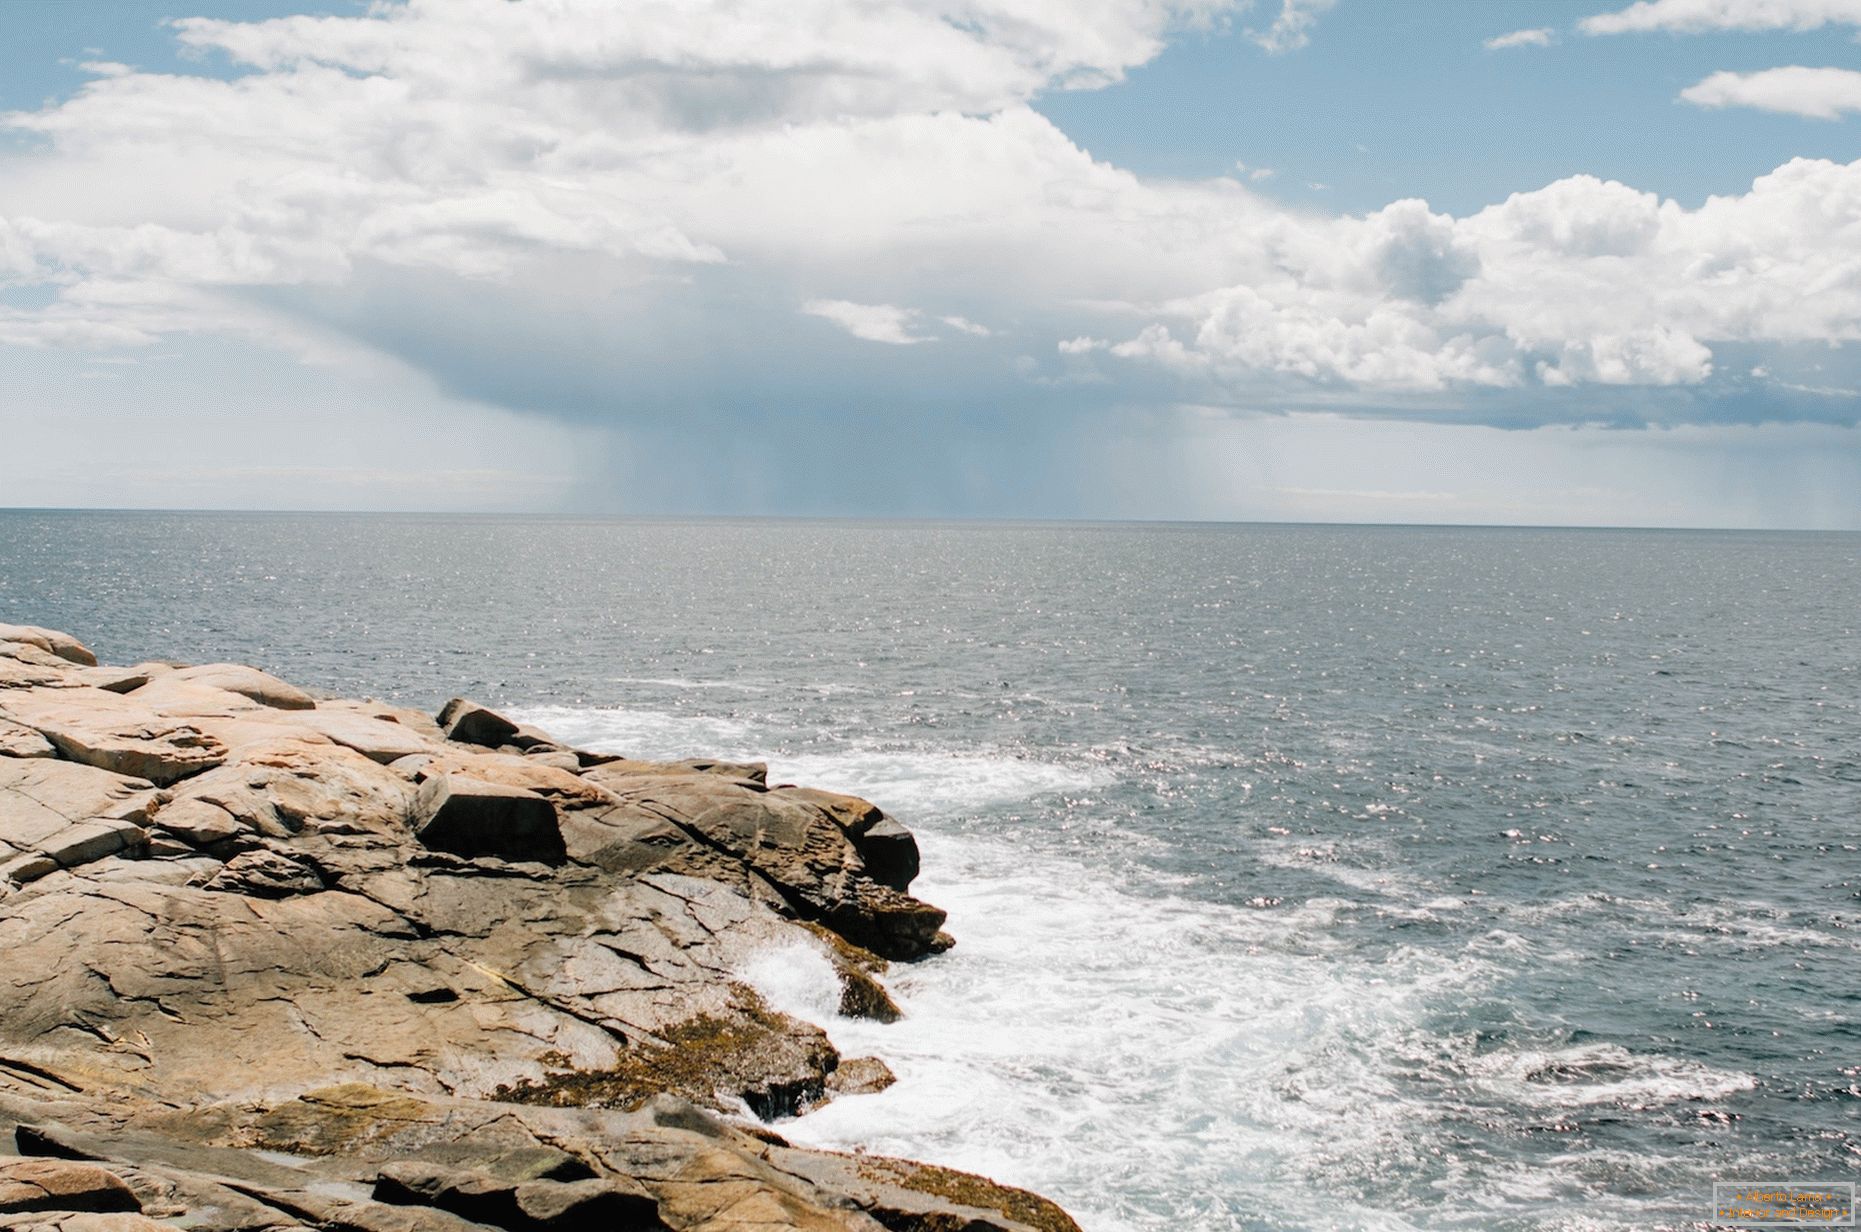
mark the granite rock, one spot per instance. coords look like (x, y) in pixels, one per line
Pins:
(281, 962)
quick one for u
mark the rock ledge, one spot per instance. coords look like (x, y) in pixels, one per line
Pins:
(275, 961)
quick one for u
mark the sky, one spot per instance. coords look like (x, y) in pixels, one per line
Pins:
(1569, 262)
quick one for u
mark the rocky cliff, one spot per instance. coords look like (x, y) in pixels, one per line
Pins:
(270, 960)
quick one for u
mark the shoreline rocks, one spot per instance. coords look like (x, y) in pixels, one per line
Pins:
(279, 961)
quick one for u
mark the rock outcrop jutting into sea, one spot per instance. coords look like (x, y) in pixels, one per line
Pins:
(270, 960)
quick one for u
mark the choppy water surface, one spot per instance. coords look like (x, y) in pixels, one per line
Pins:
(1305, 878)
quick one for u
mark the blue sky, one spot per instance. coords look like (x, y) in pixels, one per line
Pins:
(1290, 259)
(1393, 100)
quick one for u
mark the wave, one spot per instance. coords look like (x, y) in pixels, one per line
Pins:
(1154, 1061)
(1580, 1075)
(642, 733)
(915, 782)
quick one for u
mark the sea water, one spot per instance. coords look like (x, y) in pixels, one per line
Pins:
(1303, 877)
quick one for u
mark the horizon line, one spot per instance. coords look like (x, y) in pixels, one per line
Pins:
(921, 519)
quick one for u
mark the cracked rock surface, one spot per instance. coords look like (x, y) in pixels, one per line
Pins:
(270, 960)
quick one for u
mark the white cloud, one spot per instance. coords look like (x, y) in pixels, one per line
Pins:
(1540, 36)
(1156, 343)
(476, 136)
(687, 65)
(872, 322)
(966, 326)
(1292, 27)
(1818, 93)
(373, 175)
(1582, 282)
(1697, 16)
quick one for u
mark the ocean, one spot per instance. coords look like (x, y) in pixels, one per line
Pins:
(1303, 877)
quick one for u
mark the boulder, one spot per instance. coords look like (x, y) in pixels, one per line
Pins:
(889, 851)
(782, 845)
(564, 788)
(470, 723)
(472, 817)
(861, 1076)
(51, 641)
(196, 821)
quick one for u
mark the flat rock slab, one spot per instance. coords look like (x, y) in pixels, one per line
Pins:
(61, 1185)
(41, 798)
(592, 1205)
(283, 788)
(83, 1221)
(379, 740)
(51, 641)
(122, 679)
(87, 841)
(113, 732)
(249, 682)
(616, 772)
(17, 673)
(20, 741)
(787, 843)
(563, 788)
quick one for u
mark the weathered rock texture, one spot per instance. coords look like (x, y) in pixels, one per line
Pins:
(271, 961)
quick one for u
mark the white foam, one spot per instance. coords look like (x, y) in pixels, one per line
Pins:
(928, 784)
(1581, 1075)
(1734, 926)
(914, 783)
(639, 732)
(1149, 1060)
(1160, 1063)
(795, 979)
(1155, 1062)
